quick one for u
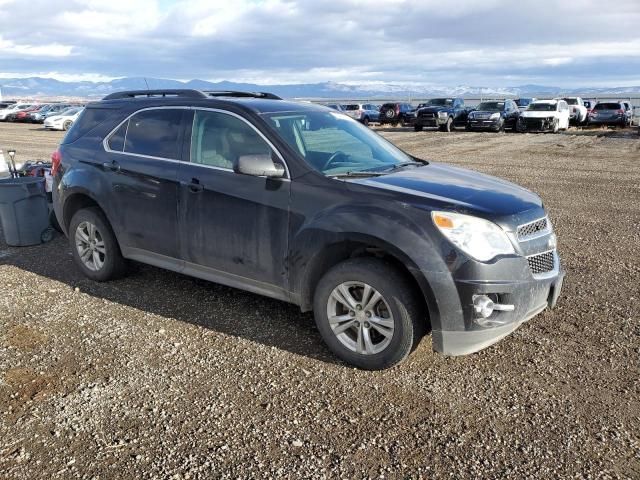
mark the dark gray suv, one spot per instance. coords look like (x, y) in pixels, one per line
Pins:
(306, 205)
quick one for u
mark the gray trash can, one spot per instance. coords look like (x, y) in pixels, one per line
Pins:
(24, 213)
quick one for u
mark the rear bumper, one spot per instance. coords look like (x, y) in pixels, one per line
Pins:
(529, 299)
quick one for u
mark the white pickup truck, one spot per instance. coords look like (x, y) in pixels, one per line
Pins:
(578, 112)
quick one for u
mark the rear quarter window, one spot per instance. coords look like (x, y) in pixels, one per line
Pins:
(89, 119)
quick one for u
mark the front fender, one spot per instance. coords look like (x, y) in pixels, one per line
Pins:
(335, 233)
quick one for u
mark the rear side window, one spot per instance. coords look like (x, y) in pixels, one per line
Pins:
(89, 119)
(155, 133)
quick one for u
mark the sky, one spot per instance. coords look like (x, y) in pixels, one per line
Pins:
(566, 43)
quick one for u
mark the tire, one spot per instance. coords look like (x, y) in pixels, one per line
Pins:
(556, 125)
(447, 127)
(365, 122)
(398, 305)
(111, 264)
(67, 125)
(417, 128)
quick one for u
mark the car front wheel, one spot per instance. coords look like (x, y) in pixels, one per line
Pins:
(368, 314)
(94, 246)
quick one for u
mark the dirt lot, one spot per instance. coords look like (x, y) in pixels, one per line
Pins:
(163, 376)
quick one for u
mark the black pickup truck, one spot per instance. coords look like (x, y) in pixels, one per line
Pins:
(443, 113)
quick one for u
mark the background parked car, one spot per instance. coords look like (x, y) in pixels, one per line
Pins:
(335, 106)
(10, 110)
(495, 116)
(394, 113)
(22, 115)
(544, 116)
(443, 113)
(6, 104)
(523, 103)
(578, 112)
(610, 113)
(64, 120)
(363, 112)
(49, 110)
(629, 108)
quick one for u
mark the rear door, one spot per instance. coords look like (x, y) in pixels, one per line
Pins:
(142, 160)
(233, 227)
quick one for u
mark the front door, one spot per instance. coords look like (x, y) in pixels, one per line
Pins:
(234, 227)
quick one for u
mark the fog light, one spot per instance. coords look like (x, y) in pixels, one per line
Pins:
(484, 306)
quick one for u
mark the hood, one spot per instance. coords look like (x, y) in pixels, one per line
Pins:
(538, 114)
(435, 109)
(444, 186)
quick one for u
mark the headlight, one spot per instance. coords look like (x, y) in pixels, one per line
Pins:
(494, 116)
(480, 239)
(443, 114)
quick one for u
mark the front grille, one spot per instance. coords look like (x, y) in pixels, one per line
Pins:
(427, 115)
(533, 228)
(541, 263)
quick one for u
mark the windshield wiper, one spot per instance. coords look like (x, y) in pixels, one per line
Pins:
(358, 174)
(398, 166)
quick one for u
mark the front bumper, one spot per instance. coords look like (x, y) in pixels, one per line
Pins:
(436, 121)
(491, 124)
(528, 298)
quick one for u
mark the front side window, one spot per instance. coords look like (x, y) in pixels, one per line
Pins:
(219, 139)
(155, 133)
(335, 144)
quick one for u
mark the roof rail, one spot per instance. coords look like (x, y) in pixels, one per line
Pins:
(233, 93)
(185, 93)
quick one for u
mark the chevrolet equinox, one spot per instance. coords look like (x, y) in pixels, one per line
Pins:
(301, 203)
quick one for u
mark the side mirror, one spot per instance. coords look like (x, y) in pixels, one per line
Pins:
(258, 166)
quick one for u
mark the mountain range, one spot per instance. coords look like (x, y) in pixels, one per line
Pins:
(39, 87)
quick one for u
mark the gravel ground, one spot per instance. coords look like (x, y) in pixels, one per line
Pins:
(162, 376)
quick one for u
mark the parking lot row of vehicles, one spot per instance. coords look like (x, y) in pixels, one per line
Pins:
(54, 116)
(522, 114)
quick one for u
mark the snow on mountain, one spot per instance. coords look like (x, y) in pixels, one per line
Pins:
(48, 87)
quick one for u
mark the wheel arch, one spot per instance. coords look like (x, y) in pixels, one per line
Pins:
(360, 245)
(78, 200)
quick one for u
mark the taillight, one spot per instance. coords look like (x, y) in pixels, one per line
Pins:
(56, 160)
(621, 112)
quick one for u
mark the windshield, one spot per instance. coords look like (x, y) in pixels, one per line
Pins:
(522, 102)
(69, 111)
(335, 144)
(440, 102)
(571, 101)
(351, 107)
(491, 106)
(543, 107)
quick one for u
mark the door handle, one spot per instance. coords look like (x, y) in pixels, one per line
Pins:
(113, 166)
(195, 186)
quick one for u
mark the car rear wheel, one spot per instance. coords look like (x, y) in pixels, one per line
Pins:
(366, 121)
(368, 314)
(94, 246)
(417, 128)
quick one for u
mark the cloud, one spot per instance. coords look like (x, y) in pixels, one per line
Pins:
(490, 42)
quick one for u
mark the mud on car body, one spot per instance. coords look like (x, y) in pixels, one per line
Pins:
(300, 203)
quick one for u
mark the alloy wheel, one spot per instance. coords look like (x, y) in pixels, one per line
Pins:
(90, 246)
(360, 318)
